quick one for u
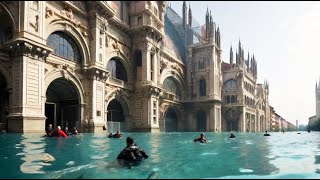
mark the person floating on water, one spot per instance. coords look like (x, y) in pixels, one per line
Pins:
(266, 134)
(131, 154)
(201, 139)
(232, 135)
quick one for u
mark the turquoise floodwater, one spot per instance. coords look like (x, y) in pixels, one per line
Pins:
(171, 155)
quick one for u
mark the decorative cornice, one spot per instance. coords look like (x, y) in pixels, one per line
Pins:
(148, 90)
(97, 73)
(23, 46)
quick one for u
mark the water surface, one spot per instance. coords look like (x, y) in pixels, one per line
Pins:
(171, 155)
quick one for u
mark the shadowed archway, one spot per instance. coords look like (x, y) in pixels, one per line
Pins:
(62, 107)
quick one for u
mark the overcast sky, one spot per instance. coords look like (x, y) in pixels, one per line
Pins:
(285, 40)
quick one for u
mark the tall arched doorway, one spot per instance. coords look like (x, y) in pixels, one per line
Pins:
(201, 121)
(62, 107)
(115, 116)
(4, 103)
(170, 122)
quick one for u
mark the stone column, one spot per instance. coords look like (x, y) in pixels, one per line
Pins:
(212, 119)
(27, 108)
(97, 99)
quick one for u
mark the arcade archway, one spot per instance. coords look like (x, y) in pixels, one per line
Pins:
(170, 122)
(62, 107)
(4, 102)
(115, 116)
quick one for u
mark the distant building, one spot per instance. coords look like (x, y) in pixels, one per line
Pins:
(244, 101)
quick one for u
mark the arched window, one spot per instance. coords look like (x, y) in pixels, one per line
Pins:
(202, 87)
(172, 86)
(202, 63)
(6, 26)
(230, 84)
(228, 99)
(64, 46)
(117, 70)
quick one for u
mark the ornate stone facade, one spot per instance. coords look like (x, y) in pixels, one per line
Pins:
(245, 103)
(108, 64)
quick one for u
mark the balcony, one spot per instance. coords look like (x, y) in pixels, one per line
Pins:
(115, 82)
(171, 96)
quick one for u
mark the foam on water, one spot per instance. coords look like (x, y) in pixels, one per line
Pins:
(245, 170)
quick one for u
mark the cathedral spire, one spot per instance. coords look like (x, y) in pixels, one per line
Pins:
(231, 56)
(210, 26)
(207, 23)
(218, 36)
(184, 14)
(190, 16)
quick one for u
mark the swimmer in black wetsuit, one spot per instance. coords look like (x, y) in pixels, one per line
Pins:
(201, 139)
(132, 154)
(232, 135)
(266, 134)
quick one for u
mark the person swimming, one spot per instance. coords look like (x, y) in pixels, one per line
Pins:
(266, 134)
(132, 154)
(232, 135)
(117, 135)
(201, 139)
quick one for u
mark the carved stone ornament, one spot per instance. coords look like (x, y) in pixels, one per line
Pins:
(49, 12)
(116, 45)
(153, 50)
(36, 24)
(21, 46)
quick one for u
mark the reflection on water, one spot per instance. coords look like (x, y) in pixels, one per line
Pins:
(171, 155)
(298, 148)
(33, 154)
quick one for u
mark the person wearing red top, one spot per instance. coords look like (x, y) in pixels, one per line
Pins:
(60, 133)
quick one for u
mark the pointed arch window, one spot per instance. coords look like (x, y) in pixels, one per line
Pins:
(64, 46)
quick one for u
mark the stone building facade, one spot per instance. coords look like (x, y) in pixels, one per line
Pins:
(98, 63)
(245, 103)
(128, 65)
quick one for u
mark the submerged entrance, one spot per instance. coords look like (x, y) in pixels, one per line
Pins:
(170, 122)
(115, 117)
(62, 105)
(232, 125)
(4, 103)
(201, 121)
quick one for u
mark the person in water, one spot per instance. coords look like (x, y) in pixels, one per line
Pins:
(75, 131)
(50, 131)
(118, 135)
(201, 139)
(60, 133)
(110, 135)
(232, 135)
(266, 134)
(131, 154)
(66, 131)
